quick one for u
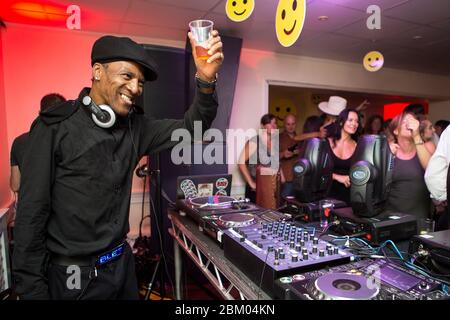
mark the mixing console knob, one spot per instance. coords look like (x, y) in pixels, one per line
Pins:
(294, 258)
(282, 255)
(276, 262)
(270, 248)
(328, 247)
(241, 239)
(330, 251)
(305, 255)
(263, 236)
(314, 249)
(298, 247)
(254, 241)
(276, 255)
(286, 236)
(423, 285)
(260, 245)
(315, 241)
(321, 253)
(265, 226)
(336, 250)
(305, 250)
(302, 243)
(311, 237)
(292, 244)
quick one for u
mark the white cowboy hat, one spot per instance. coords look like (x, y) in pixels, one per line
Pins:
(333, 106)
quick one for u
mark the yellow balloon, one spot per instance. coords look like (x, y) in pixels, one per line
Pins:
(373, 61)
(281, 108)
(289, 21)
(239, 10)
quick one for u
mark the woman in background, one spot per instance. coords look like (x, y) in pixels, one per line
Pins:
(428, 133)
(249, 158)
(343, 145)
(408, 191)
(374, 125)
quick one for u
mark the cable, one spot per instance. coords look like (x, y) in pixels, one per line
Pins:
(164, 194)
(161, 245)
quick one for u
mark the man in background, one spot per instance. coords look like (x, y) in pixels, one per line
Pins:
(19, 143)
(288, 153)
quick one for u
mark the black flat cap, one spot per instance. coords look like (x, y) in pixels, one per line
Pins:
(110, 48)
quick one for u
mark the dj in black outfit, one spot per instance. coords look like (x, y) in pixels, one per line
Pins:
(76, 187)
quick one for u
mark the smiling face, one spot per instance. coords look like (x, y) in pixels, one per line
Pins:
(239, 10)
(373, 61)
(119, 84)
(352, 123)
(289, 21)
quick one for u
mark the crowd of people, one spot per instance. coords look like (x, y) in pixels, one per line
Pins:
(421, 155)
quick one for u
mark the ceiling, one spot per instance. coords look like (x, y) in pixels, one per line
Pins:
(414, 35)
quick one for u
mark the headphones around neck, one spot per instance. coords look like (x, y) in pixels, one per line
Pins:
(102, 115)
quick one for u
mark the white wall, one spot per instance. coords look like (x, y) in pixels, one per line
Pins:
(258, 68)
(439, 110)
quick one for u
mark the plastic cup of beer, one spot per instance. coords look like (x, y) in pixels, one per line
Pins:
(201, 30)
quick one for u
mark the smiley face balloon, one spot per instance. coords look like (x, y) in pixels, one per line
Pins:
(289, 21)
(239, 10)
(373, 61)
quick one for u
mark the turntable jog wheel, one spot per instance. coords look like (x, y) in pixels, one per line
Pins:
(232, 220)
(344, 286)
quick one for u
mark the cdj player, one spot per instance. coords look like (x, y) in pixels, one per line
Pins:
(214, 214)
(362, 280)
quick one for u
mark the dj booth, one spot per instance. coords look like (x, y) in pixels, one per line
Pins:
(229, 281)
(250, 252)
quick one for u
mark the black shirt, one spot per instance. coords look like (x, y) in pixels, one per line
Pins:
(408, 192)
(342, 167)
(18, 149)
(76, 185)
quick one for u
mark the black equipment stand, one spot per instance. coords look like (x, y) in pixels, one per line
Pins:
(157, 223)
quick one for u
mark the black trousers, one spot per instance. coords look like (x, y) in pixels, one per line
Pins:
(115, 280)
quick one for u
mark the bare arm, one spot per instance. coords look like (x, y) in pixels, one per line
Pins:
(249, 149)
(304, 136)
(424, 152)
(14, 179)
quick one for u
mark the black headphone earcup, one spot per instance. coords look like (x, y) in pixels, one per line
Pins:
(111, 119)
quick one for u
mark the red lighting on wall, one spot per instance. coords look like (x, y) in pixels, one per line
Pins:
(41, 13)
(392, 109)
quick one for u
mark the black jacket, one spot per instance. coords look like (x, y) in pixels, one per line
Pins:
(76, 183)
